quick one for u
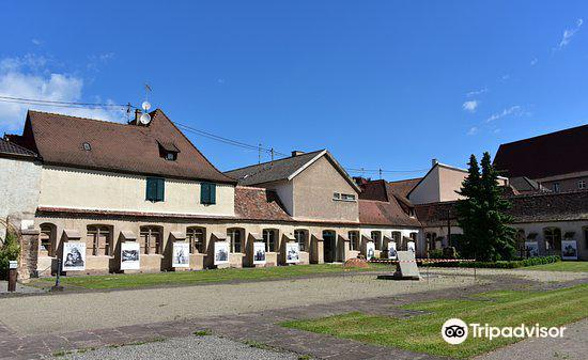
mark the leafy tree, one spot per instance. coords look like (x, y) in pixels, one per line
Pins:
(482, 214)
(9, 250)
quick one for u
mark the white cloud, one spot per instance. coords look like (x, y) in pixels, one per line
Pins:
(471, 105)
(472, 131)
(36, 42)
(534, 61)
(505, 77)
(513, 110)
(569, 34)
(30, 77)
(476, 92)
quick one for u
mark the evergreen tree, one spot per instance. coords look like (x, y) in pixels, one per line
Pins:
(481, 214)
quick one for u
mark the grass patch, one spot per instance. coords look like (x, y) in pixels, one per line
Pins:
(258, 345)
(198, 277)
(573, 266)
(423, 333)
(202, 333)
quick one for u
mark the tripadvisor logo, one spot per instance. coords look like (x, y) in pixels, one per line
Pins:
(455, 331)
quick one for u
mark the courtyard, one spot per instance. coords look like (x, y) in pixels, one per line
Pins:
(327, 313)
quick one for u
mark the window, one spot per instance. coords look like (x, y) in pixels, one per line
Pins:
(87, 146)
(343, 197)
(301, 237)
(155, 189)
(353, 240)
(151, 240)
(556, 187)
(47, 239)
(270, 239)
(431, 240)
(397, 237)
(582, 184)
(171, 156)
(235, 240)
(376, 237)
(208, 193)
(552, 238)
(196, 238)
(98, 240)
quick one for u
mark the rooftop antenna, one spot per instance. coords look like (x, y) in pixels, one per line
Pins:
(145, 118)
(259, 154)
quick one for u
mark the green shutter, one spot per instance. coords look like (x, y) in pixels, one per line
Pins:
(208, 193)
(212, 196)
(151, 189)
(160, 189)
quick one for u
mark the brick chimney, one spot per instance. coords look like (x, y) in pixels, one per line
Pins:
(297, 153)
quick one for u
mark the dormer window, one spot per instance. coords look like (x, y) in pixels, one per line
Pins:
(168, 150)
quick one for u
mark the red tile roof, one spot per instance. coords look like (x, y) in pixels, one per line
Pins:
(403, 187)
(59, 140)
(8, 148)
(384, 213)
(561, 152)
(259, 204)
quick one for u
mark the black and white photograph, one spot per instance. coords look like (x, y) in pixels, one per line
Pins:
(569, 250)
(74, 256)
(370, 250)
(292, 253)
(129, 255)
(411, 246)
(258, 253)
(392, 253)
(181, 254)
(221, 253)
(532, 248)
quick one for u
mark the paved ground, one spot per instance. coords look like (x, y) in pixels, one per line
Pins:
(35, 326)
(20, 289)
(573, 346)
(186, 348)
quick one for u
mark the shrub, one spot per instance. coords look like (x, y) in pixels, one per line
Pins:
(10, 250)
(499, 264)
(436, 254)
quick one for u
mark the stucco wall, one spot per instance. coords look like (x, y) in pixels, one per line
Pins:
(313, 194)
(19, 188)
(449, 182)
(285, 191)
(427, 190)
(84, 189)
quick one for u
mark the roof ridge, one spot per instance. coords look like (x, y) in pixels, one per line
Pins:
(545, 135)
(105, 122)
(274, 161)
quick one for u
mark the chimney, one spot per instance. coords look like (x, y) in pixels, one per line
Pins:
(297, 153)
(135, 121)
(434, 162)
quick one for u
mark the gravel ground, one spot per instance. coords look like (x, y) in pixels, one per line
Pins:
(99, 310)
(189, 348)
(534, 275)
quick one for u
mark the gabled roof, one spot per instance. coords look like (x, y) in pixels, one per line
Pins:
(284, 169)
(10, 149)
(524, 184)
(557, 153)
(59, 140)
(438, 164)
(403, 187)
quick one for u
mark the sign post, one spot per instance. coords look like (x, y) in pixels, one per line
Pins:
(13, 265)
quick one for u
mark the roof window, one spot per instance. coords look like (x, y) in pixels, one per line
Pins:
(87, 146)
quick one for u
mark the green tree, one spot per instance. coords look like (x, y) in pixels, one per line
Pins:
(9, 250)
(482, 214)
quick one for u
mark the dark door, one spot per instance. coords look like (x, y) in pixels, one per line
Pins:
(330, 246)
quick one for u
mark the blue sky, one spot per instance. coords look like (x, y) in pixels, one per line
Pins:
(381, 84)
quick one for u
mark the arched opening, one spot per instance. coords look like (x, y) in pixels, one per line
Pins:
(47, 239)
(552, 238)
(99, 240)
(329, 246)
(301, 237)
(353, 240)
(236, 240)
(196, 237)
(151, 239)
(270, 237)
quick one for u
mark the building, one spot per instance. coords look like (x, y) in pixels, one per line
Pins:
(556, 161)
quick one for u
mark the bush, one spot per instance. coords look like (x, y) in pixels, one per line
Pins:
(436, 254)
(10, 250)
(499, 264)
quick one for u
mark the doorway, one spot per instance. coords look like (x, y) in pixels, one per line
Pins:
(329, 246)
